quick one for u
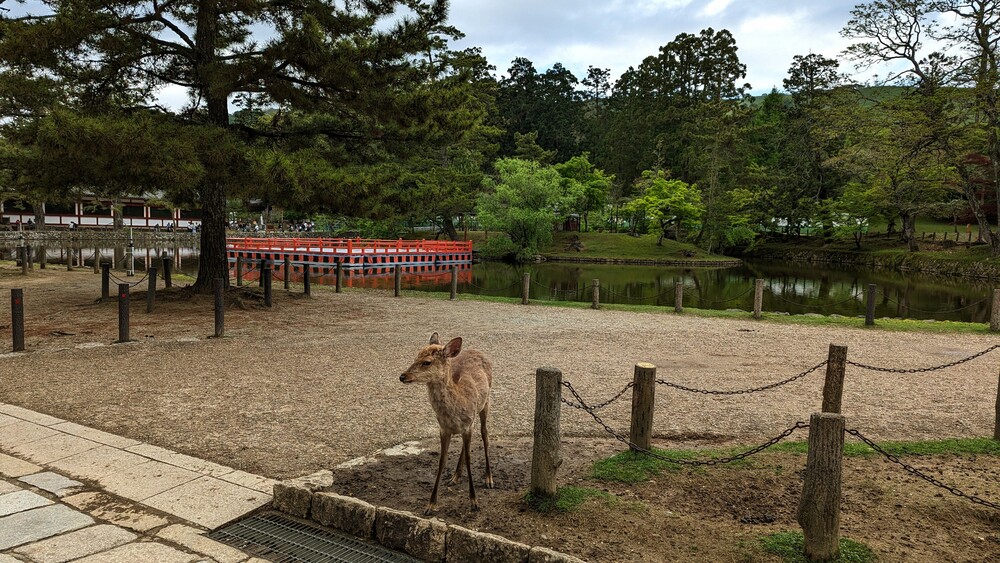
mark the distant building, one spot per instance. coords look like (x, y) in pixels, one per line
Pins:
(91, 212)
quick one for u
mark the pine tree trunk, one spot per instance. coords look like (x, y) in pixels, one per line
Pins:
(213, 262)
(449, 229)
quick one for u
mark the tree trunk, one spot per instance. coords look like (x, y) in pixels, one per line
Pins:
(910, 231)
(39, 209)
(213, 262)
(449, 229)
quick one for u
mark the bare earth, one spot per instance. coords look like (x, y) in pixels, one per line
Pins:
(314, 382)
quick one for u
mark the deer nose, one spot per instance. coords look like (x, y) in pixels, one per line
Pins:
(402, 378)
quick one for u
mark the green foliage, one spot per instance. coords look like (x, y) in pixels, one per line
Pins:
(669, 202)
(587, 186)
(633, 467)
(567, 499)
(790, 546)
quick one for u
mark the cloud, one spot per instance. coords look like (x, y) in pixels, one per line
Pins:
(714, 8)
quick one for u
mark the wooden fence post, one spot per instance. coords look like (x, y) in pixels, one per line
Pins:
(307, 278)
(69, 258)
(17, 318)
(30, 250)
(454, 282)
(397, 280)
(996, 423)
(97, 260)
(123, 319)
(151, 290)
(260, 279)
(596, 297)
(340, 275)
(239, 271)
(643, 400)
(758, 297)
(833, 387)
(995, 313)
(23, 251)
(105, 280)
(525, 287)
(43, 256)
(266, 280)
(166, 271)
(819, 505)
(288, 271)
(870, 305)
(220, 307)
(679, 297)
(546, 456)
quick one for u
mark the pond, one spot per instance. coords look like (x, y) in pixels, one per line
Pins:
(795, 288)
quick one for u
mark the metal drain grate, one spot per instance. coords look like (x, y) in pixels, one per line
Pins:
(275, 537)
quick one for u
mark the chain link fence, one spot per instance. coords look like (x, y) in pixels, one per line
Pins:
(924, 370)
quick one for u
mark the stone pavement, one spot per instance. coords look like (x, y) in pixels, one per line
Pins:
(72, 493)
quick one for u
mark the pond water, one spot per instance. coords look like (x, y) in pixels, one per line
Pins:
(788, 287)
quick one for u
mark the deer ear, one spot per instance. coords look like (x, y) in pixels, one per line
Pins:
(453, 347)
(435, 339)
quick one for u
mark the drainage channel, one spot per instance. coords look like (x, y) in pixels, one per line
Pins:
(275, 537)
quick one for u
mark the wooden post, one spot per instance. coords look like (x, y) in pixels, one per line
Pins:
(166, 271)
(105, 280)
(758, 297)
(30, 253)
(43, 256)
(260, 278)
(23, 251)
(340, 275)
(220, 307)
(97, 260)
(307, 279)
(643, 400)
(679, 297)
(151, 290)
(819, 505)
(396, 280)
(870, 306)
(69, 258)
(454, 280)
(288, 271)
(266, 280)
(595, 294)
(239, 271)
(996, 423)
(833, 388)
(546, 457)
(17, 318)
(525, 287)
(995, 313)
(123, 320)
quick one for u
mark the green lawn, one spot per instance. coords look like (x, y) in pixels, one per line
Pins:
(622, 245)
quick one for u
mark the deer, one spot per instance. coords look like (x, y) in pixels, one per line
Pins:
(458, 382)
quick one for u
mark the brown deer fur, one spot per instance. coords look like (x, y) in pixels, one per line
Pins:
(458, 382)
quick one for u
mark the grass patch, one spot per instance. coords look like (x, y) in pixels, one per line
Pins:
(621, 245)
(632, 467)
(567, 499)
(789, 546)
(956, 446)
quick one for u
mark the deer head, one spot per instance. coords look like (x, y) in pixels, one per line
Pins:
(433, 362)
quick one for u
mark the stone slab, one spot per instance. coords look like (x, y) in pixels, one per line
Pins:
(8, 559)
(6, 420)
(6, 487)
(208, 501)
(14, 435)
(80, 543)
(15, 467)
(180, 460)
(29, 415)
(420, 537)
(249, 480)
(120, 512)
(469, 545)
(40, 523)
(95, 435)
(349, 515)
(294, 496)
(53, 482)
(142, 551)
(545, 555)
(145, 480)
(98, 462)
(19, 501)
(193, 539)
(52, 448)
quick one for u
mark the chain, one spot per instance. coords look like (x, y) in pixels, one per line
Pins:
(720, 301)
(689, 462)
(612, 293)
(743, 391)
(824, 306)
(923, 370)
(917, 473)
(908, 308)
(493, 290)
(557, 291)
(599, 406)
(131, 284)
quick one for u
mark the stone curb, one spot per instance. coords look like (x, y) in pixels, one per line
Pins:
(427, 539)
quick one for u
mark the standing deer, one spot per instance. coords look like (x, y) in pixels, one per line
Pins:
(459, 385)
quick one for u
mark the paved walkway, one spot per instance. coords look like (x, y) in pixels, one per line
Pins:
(72, 493)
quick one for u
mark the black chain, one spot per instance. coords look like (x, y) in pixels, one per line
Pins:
(556, 291)
(633, 301)
(923, 370)
(908, 308)
(917, 473)
(689, 462)
(743, 391)
(492, 290)
(823, 306)
(131, 284)
(598, 406)
(720, 301)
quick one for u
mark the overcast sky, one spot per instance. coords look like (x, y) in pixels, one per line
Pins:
(616, 34)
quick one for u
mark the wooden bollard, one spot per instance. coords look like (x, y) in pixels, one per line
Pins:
(996, 423)
(340, 276)
(30, 250)
(69, 258)
(454, 282)
(643, 400)
(42, 257)
(833, 387)
(166, 271)
(819, 505)
(17, 318)
(239, 271)
(123, 320)
(525, 287)
(151, 290)
(23, 251)
(307, 279)
(105, 280)
(288, 272)
(397, 280)
(595, 301)
(995, 313)
(220, 307)
(260, 278)
(870, 306)
(97, 260)
(679, 297)
(758, 298)
(266, 277)
(546, 456)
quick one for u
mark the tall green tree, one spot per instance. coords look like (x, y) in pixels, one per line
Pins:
(587, 185)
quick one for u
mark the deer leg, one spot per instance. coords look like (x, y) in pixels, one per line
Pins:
(466, 443)
(445, 443)
(457, 475)
(483, 415)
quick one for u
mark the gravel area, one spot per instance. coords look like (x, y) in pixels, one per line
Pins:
(314, 381)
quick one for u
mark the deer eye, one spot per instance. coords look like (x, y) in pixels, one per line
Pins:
(427, 363)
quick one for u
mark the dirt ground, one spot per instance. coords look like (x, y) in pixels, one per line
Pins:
(313, 382)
